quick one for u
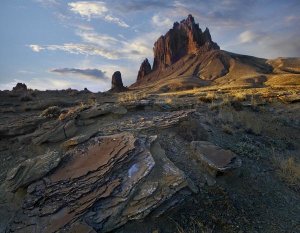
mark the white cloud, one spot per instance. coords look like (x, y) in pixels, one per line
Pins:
(89, 10)
(116, 20)
(160, 21)
(247, 36)
(90, 36)
(84, 49)
(36, 48)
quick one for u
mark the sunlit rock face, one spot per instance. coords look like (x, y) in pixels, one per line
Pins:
(184, 38)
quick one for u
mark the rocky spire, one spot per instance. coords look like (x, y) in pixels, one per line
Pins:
(145, 69)
(184, 38)
(117, 83)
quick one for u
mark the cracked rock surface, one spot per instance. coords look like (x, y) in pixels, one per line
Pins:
(103, 184)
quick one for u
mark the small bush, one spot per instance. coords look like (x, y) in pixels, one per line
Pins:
(239, 96)
(289, 171)
(51, 112)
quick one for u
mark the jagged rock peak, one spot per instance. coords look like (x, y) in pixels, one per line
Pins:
(20, 87)
(184, 38)
(145, 69)
(117, 83)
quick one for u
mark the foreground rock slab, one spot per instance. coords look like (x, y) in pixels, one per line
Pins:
(102, 184)
(31, 170)
(216, 159)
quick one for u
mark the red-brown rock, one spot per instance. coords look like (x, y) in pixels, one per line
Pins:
(184, 38)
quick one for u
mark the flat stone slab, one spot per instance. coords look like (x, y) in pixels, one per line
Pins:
(214, 157)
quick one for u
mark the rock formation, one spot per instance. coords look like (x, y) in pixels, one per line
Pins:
(144, 70)
(117, 83)
(20, 87)
(184, 38)
(101, 185)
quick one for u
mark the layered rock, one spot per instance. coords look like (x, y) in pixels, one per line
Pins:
(103, 184)
(145, 69)
(31, 170)
(117, 83)
(184, 38)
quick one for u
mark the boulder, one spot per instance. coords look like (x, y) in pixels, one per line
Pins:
(101, 185)
(214, 158)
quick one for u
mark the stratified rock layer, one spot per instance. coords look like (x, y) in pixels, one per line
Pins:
(101, 185)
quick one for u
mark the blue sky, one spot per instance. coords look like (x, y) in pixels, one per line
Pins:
(57, 44)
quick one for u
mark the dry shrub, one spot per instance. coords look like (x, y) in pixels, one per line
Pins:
(168, 100)
(51, 112)
(73, 111)
(288, 170)
(239, 96)
(248, 120)
(130, 96)
(251, 122)
(209, 97)
(227, 129)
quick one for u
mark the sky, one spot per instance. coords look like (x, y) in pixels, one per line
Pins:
(60, 44)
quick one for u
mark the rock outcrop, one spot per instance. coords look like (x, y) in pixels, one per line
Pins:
(117, 83)
(31, 170)
(144, 70)
(103, 184)
(20, 87)
(184, 38)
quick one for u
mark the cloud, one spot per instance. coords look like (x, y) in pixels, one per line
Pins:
(160, 21)
(89, 10)
(247, 36)
(116, 20)
(77, 48)
(89, 73)
(251, 36)
(106, 46)
(36, 48)
(90, 36)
